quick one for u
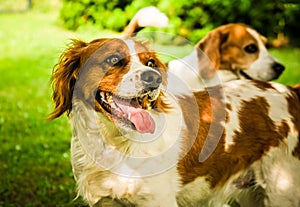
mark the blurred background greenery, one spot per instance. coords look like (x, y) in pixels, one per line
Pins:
(191, 19)
(34, 154)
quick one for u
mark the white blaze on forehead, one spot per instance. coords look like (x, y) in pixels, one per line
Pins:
(130, 84)
(261, 45)
(132, 52)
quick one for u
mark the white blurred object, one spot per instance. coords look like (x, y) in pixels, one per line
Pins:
(146, 17)
(151, 16)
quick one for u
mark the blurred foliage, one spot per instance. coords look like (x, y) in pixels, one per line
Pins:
(291, 23)
(191, 19)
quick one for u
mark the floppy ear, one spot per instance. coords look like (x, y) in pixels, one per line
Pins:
(64, 77)
(211, 46)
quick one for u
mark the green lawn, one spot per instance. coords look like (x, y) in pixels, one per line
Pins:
(290, 57)
(34, 154)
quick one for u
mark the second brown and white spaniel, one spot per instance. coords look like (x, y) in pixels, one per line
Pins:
(229, 52)
(143, 140)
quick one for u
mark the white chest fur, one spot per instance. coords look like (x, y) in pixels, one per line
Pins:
(136, 167)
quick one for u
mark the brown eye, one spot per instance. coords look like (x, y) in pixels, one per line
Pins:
(113, 60)
(150, 63)
(252, 48)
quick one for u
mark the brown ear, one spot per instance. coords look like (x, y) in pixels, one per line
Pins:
(211, 45)
(64, 77)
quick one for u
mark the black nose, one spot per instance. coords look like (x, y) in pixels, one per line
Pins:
(151, 79)
(278, 68)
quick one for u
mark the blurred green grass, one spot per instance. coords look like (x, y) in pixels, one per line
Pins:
(34, 154)
(290, 57)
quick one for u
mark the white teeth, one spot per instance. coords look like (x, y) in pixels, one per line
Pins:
(129, 115)
(103, 95)
(144, 101)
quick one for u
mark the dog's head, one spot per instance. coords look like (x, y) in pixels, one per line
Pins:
(240, 49)
(121, 79)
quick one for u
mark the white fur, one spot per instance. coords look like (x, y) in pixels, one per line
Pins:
(279, 177)
(101, 170)
(188, 68)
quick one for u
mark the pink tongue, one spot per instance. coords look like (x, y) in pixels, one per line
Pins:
(141, 119)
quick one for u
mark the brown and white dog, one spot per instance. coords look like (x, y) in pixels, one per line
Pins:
(236, 51)
(143, 140)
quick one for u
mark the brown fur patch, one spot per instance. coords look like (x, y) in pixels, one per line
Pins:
(294, 110)
(256, 134)
(66, 72)
(211, 109)
(263, 85)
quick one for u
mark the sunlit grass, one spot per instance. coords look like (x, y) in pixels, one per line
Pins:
(34, 157)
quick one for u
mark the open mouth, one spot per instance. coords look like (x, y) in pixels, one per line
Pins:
(130, 112)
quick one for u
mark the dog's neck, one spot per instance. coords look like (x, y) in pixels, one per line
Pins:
(229, 75)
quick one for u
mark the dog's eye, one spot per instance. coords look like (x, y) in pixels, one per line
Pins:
(150, 63)
(252, 48)
(113, 60)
